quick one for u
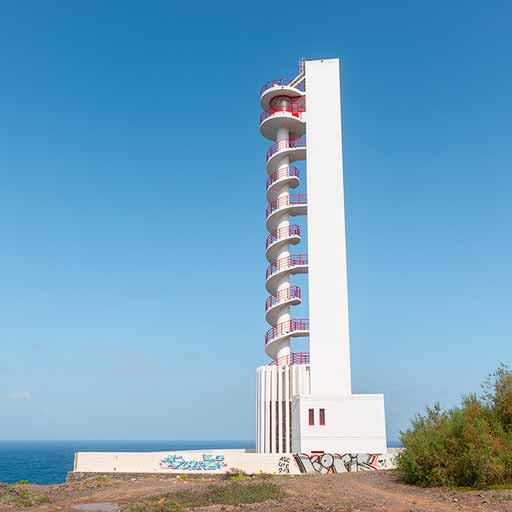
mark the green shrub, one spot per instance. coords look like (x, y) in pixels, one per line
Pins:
(498, 395)
(467, 446)
(18, 496)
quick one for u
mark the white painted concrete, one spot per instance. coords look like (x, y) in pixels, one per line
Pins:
(221, 461)
(276, 386)
(175, 462)
(328, 291)
(294, 123)
(354, 424)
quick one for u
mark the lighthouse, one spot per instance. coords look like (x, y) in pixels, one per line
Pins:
(304, 400)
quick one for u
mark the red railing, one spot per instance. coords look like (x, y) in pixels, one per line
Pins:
(292, 292)
(289, 200)
(280, 233)
(293, 358)
(286, 262)
(279, 82)
(284, 172)
(273, 83)
(295, 108)
(298, 103)
(287, 327)
(285, 144)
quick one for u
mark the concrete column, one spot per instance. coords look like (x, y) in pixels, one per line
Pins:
(284, 283)
(280, 398)
(268, 400)
(287, 406)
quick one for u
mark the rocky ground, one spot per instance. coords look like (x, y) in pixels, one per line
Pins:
(349, 492)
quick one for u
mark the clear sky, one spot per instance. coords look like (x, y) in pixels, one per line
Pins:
(132, 206)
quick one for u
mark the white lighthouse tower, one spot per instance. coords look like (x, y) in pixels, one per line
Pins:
(304, 400)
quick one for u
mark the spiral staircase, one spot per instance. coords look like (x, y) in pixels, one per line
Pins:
(283, 121)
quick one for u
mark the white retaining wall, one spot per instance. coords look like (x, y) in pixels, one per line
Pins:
(221, 461)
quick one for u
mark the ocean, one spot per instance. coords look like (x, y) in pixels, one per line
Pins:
(48, 462)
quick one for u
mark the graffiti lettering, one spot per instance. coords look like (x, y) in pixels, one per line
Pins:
(209, 463)
(284, 465)
(339, 463)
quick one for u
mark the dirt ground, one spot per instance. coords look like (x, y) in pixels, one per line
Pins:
(349, 492)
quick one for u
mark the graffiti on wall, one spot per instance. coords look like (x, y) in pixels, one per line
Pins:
(339, 463)
(208, 463)
(283, 465)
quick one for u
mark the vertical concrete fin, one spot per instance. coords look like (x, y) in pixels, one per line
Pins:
(328, 290)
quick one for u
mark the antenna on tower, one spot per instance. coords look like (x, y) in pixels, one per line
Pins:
(299, 79)
(302, 64)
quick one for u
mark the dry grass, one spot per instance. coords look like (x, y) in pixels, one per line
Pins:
(231, 493)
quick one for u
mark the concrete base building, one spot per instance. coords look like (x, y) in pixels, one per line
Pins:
(304, 400)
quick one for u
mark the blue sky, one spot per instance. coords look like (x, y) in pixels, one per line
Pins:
(132, 207)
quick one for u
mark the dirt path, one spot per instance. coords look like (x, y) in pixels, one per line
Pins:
(350, 492)
(385, 489)
(398, 499)
(365, 492)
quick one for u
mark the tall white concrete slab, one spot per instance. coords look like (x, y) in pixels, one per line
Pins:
(328, 290)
